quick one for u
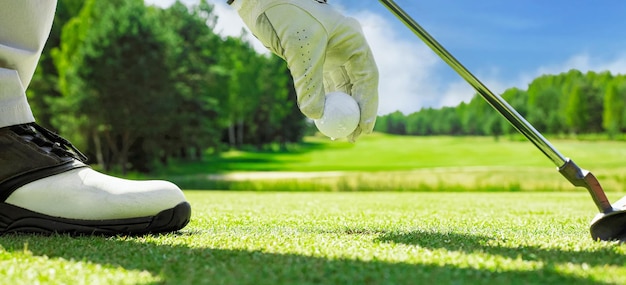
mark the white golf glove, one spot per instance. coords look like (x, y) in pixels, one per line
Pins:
(325, 52)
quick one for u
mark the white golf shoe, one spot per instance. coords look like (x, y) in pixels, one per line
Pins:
(620, 204)
(45, 187)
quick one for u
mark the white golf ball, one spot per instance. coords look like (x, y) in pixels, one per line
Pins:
(341, 116)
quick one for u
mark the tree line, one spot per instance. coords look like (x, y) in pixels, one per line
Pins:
(135, 86)
(567, 103)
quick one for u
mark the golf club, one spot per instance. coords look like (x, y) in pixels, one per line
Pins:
(610, 223)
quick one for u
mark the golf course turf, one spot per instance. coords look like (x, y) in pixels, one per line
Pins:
(339, 238)
(474, 226)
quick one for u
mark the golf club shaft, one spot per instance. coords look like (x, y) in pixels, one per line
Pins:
(577, 176)
(494, 100)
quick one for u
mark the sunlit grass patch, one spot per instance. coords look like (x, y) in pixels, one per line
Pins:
(339, 238)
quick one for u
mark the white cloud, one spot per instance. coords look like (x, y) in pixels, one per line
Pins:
(616, 66)
(585, 62)
(455, 93)
(408, 77)
(228, 24)
(461, 91)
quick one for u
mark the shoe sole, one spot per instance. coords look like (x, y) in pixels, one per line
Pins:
(19, 220)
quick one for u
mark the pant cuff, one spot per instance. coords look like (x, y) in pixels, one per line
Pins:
(14, 108)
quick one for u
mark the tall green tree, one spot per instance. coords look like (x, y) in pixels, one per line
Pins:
(68, 59)
(293, 125)
(396, 123)
(518, 99)
(198, 80)
(121, 79)
(615, 107)
(241, 86)
(476, 116)
(583, 112)
(417, 124)
(272, 104)
(43, 88)
(544, 97)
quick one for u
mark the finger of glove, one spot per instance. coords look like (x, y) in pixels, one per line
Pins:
(339, 80)
(351, 68)
(355, 135)
(363, 74)
(302, 43)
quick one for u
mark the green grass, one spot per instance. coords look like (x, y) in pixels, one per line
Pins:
(473, 211)
(380, 152)
(397, 163)
(339, 238)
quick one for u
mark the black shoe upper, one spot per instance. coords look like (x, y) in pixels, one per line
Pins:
(30, 152)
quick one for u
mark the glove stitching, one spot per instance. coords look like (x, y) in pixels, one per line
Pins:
(306, 57)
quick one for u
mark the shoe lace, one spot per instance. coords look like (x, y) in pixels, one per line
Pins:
(49, 141)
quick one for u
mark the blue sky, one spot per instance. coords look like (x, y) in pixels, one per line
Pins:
(516, 36)
(504, 43)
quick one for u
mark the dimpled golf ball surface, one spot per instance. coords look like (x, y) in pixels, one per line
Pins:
(341, 116)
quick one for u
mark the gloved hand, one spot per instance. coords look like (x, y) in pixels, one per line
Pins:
(325, 52)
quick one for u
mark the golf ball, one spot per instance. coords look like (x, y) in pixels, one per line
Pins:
(341, 116)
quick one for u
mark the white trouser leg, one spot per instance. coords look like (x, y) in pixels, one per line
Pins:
(24, 29)
(14, 108)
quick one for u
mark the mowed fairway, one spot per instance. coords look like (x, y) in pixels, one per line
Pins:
(463, 231)
(396, 163)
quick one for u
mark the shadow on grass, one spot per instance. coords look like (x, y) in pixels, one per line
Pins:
(248, 159)
(181, 264)
(474, 244)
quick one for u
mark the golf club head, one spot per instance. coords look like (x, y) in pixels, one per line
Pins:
(611, 226)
